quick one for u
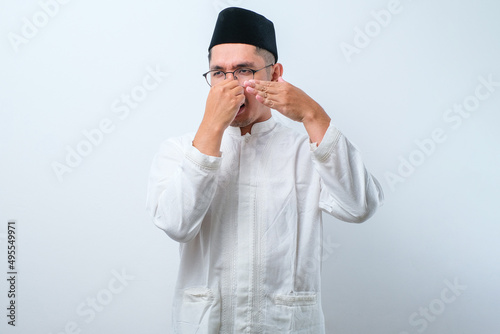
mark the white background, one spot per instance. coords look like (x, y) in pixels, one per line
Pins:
(438, 226)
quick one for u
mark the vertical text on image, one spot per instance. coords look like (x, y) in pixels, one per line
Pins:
(12, 277)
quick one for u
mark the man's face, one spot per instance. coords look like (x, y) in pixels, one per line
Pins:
(229, 57)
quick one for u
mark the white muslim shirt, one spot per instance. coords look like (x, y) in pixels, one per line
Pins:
(249, 225)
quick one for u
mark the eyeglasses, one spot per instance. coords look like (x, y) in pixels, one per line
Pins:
(242, 74)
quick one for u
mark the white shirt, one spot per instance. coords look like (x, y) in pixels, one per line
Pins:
(249, 225)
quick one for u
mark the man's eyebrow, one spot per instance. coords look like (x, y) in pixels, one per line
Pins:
(246, 65)
(240, 65)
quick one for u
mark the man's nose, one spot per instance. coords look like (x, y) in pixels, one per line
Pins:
(234, 78)
(232, 73)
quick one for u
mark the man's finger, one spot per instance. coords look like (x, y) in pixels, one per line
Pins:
(262, 90)
(234, 87)
(238, 90)
(266, 101)
(259, 84)
(258, 93)
(264, 86)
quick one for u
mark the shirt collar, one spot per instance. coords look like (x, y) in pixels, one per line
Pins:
(257, 128)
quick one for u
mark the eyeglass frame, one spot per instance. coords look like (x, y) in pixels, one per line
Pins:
(225, 73)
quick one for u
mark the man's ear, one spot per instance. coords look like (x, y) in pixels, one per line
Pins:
(277, 72)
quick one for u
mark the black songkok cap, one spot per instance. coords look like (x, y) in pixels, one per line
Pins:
(238, 25)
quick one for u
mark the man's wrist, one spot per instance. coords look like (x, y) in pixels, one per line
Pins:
(316, 123)
(315, 113)
(208, 140)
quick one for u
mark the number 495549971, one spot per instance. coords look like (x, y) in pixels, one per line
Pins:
(11, 245)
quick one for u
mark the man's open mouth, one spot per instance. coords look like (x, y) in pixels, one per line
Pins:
(241, 110)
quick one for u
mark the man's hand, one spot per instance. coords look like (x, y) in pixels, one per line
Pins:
(293, 103)
(223, 102)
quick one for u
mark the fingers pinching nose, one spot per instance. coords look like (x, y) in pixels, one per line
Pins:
(250, 90)
(249, 83)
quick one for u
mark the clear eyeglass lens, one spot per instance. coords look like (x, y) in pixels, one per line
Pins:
(242, 74)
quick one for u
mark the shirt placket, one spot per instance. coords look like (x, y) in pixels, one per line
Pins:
(246, 231)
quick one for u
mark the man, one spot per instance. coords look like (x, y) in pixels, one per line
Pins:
(244, 195)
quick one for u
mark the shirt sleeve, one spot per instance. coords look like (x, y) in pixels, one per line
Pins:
(348, 191)
(181, 187)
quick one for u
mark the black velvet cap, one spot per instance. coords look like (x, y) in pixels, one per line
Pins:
(238, 25)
